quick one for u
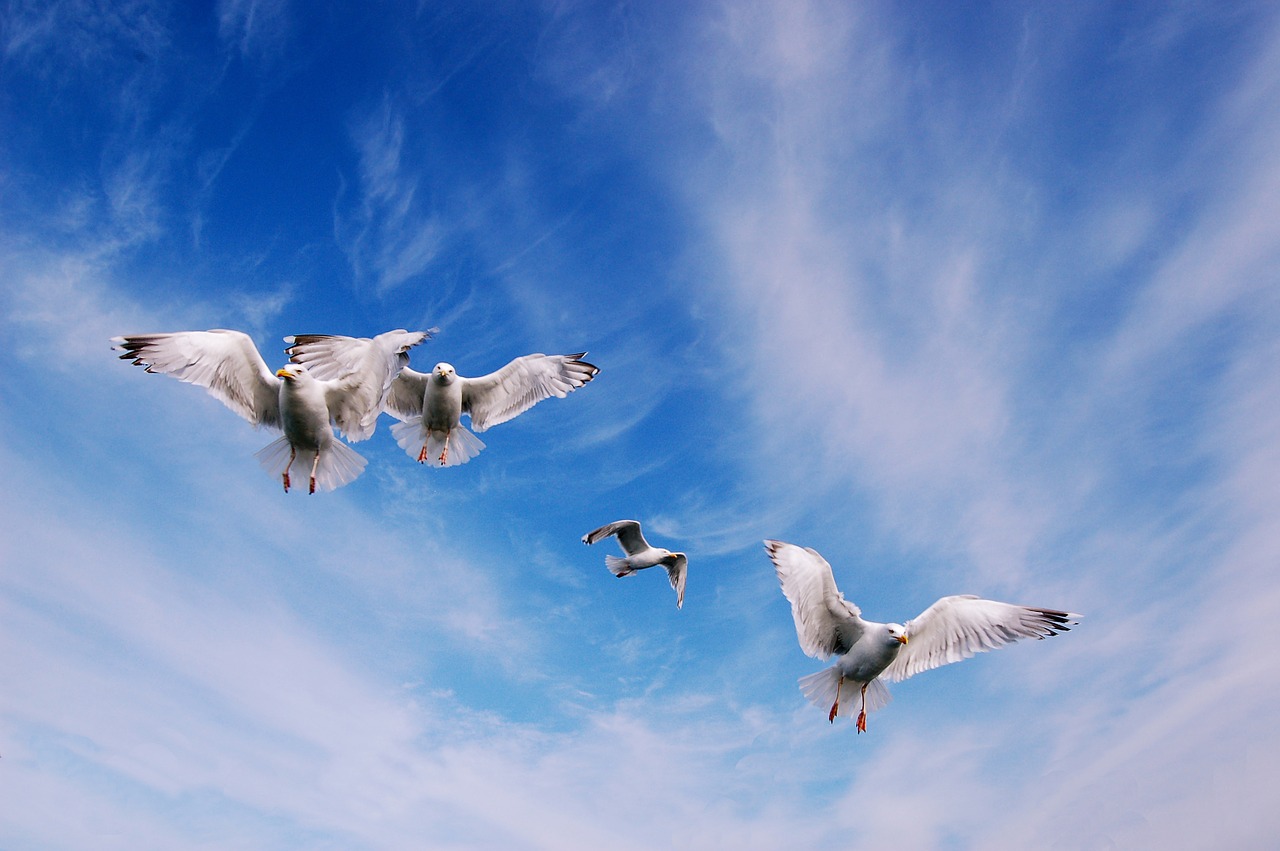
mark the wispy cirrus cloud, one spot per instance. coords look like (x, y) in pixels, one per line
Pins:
(257, 28)
(387, 235)
(922, 375)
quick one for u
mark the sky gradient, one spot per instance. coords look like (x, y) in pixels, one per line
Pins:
(971, 298)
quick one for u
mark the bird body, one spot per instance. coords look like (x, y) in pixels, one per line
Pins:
(308, 439)
(301, 398)
(293, 399)
(439, 433)
(867, 652)
(877, 649)
(640, 554)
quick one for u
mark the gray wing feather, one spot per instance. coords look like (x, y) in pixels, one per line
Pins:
(957, 627)
(826, 623)
(521, 384)
(678, 573)
(629, 536)
(358, 373)
(225, 363)
(405, 398)
(330, 356)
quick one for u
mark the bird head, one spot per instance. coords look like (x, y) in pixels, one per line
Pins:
(444, 373)
(897, 632)
(291, 371)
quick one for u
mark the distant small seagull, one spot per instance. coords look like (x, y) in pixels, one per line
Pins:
(293, 400)
(431, 405)
(641, 555)
(952, 629)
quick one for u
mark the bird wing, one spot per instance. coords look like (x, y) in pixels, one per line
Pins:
(357, 372)
(826, 623)
(957, 627)
(499, 396)
(225, 363)
(678, 572)
(405, 397)
(628, 532)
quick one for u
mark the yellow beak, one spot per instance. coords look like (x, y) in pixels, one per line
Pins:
(902, 639)
(281, 372)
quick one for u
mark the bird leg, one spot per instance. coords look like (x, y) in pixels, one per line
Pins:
(835, 707)
(444, 453)
(422, 454)
(862, 713)
(314, 464)
(292, 453)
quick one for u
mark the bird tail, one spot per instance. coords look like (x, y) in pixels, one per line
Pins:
(339, 463)
(462, 445)
(618, 566)
(275, 456)
(820, 689)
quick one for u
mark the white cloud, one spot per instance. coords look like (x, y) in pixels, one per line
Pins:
(206, 663)
(902, 353)
(257, 27)
(389, 237)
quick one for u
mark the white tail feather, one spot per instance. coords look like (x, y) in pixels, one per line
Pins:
(820, 689)
(339, 464)
(274, 457)
(462, 444)
(618, 566)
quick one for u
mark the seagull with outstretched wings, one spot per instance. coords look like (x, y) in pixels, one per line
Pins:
(952, 629)
(640, 554)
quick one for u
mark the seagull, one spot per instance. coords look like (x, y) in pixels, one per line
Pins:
(952, 629)
(641, 555)
(292, 400)
(431, 405)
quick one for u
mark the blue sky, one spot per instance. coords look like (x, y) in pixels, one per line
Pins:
(970, 298)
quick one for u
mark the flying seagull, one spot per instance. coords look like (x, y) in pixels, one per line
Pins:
(292, 400)
(641, 555)
(431, 405)
(952, 629)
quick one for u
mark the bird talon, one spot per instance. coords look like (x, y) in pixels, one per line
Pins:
(862, 722)
(286, 482)
(422, 454)
(313, 485)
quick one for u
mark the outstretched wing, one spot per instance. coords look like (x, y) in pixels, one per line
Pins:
(826, 623)
(521, 384)
(957, 627)
(226, 363)
(357, 371)
(678, 572)
(404, 398)
(628, 532)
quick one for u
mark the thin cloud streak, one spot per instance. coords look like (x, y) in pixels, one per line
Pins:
(387, 237)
